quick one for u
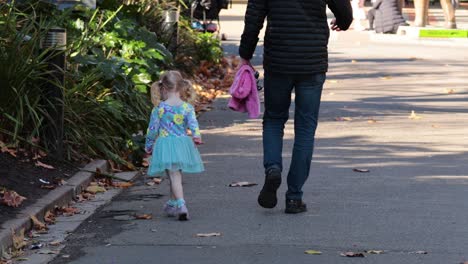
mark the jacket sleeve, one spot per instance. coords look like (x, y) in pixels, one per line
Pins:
(253, 23)
(343, 12)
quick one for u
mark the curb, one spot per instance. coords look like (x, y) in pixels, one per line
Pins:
(58, 197)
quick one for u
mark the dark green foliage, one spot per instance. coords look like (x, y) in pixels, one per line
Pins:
(112, 60)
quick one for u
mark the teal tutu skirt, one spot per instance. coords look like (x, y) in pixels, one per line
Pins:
(175, 153)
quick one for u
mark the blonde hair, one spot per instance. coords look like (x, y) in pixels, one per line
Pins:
(170, 81)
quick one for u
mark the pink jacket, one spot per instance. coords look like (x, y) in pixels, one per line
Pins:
(244, 92)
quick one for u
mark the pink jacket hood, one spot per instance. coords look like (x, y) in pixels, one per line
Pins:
(244, 92)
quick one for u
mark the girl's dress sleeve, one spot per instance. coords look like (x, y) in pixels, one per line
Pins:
(192, 123)
(152, 131)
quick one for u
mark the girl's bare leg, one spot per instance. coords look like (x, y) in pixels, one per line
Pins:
(177, 191)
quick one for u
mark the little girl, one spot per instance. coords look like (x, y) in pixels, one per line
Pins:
(173, 151)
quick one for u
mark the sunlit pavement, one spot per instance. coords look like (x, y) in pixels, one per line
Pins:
(414, 197)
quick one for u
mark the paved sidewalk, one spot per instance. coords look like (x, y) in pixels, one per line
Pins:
(413, 199)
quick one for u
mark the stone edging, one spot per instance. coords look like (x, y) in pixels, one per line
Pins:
(60, 196)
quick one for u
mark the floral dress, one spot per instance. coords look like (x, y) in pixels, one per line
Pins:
(168, 140)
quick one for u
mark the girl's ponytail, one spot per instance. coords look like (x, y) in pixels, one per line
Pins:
(187, 92)
(156, 93)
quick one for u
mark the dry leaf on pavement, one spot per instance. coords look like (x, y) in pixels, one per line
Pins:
(419, 252)
(55, 243)
(242, 184)
(43, 165)
(49, 252)
(157, 180)
(208, 234)
(49, 218)
(343, 118)
(450, 91)
(68, 211)
(385, 78)
(48, 187)
(376, 252)
(332, 81)
(144, 217)
(361, 170)
(122, 184)
(12, 198)
(414, 115)
(371, 121)
(95, 189)
(353, 61)
(18, 240)
(351, 254)
(38, 225)
(313, 252)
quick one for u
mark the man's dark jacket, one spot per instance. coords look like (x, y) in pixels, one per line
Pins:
(297, 33)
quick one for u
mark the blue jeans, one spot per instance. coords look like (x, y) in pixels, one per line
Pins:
(278, 89)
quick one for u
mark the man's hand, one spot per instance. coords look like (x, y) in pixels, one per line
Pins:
(198, 141)
(334, 26)
(246, 62)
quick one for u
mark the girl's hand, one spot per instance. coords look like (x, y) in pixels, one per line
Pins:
(197, 141)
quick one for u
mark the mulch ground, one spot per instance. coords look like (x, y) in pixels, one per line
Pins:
(24, 177)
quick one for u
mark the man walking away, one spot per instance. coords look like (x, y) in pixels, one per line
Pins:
(295, 57)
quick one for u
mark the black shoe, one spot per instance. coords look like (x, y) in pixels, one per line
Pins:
(295, 207)
(267, 197)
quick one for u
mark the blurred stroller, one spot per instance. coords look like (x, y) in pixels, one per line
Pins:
(204, 12)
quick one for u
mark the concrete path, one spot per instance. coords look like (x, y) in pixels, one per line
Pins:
(413, 199)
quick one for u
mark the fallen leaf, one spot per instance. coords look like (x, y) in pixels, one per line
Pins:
(376, 252)
(49, 252)
(414, 116)
(49, 218)
(12, 198)
(361, 170)
(157, 180)
(435, 126)
(55, 243)
(313, 252)
(95, 189)
(385, 78)
(48, 187)
(371, 121)
(419, 252)
(38, 225)
(65, 256)
(68, 211)
(332, 81)
(43, 165)
(144, 217)
(351, 254)
(208, 234)
(113, 166)
(151, 183)
(343, 119)
(242, 184)
(450, 91)
(353, 61)
(122, 184)
(18, 240)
